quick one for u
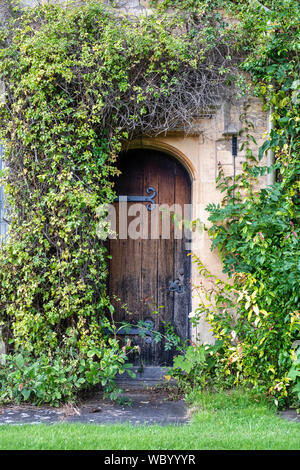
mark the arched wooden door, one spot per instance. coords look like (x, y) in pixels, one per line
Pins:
(150, 266)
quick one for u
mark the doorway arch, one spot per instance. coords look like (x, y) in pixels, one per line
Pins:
(166, 148)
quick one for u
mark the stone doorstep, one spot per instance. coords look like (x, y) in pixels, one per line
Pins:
(290, 415)
(151, 375)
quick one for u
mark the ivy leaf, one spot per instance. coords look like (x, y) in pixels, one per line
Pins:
(26, 393)
(20, 361)
(265, 146)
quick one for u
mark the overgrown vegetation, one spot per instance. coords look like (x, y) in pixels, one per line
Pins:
(78, 79)
(255, 317)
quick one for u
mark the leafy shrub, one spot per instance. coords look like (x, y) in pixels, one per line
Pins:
(253, 348)
(54, 379)
(255, 313)
(294, 374)
(196, 366)
(79, 79)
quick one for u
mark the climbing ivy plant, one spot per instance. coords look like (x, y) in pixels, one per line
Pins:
(79, 79)
(256, 316)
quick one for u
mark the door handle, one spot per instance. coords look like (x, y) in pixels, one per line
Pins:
(176, 286)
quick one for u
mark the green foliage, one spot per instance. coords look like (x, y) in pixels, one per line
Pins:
(78, 79)
(196, 367)
(294, 373)
(261, 238)
(255, 315)
(254, 347)
(53, 380)
(257, 231)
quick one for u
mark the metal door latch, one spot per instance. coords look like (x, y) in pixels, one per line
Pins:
(152, 193)
(176, 286)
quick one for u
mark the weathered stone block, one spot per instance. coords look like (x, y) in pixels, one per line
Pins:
(224, 157)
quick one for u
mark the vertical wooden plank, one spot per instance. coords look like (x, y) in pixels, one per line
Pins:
(165, 248)
(134, 184)
(182, 261)
(125, 279)
(149, 259)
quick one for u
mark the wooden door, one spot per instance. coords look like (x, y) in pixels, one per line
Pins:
(150, 272)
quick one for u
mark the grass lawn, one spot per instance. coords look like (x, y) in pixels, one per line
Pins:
(220, 421)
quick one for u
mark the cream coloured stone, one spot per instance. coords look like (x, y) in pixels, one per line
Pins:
(2, 349)
(2, 92)
(224, 157)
